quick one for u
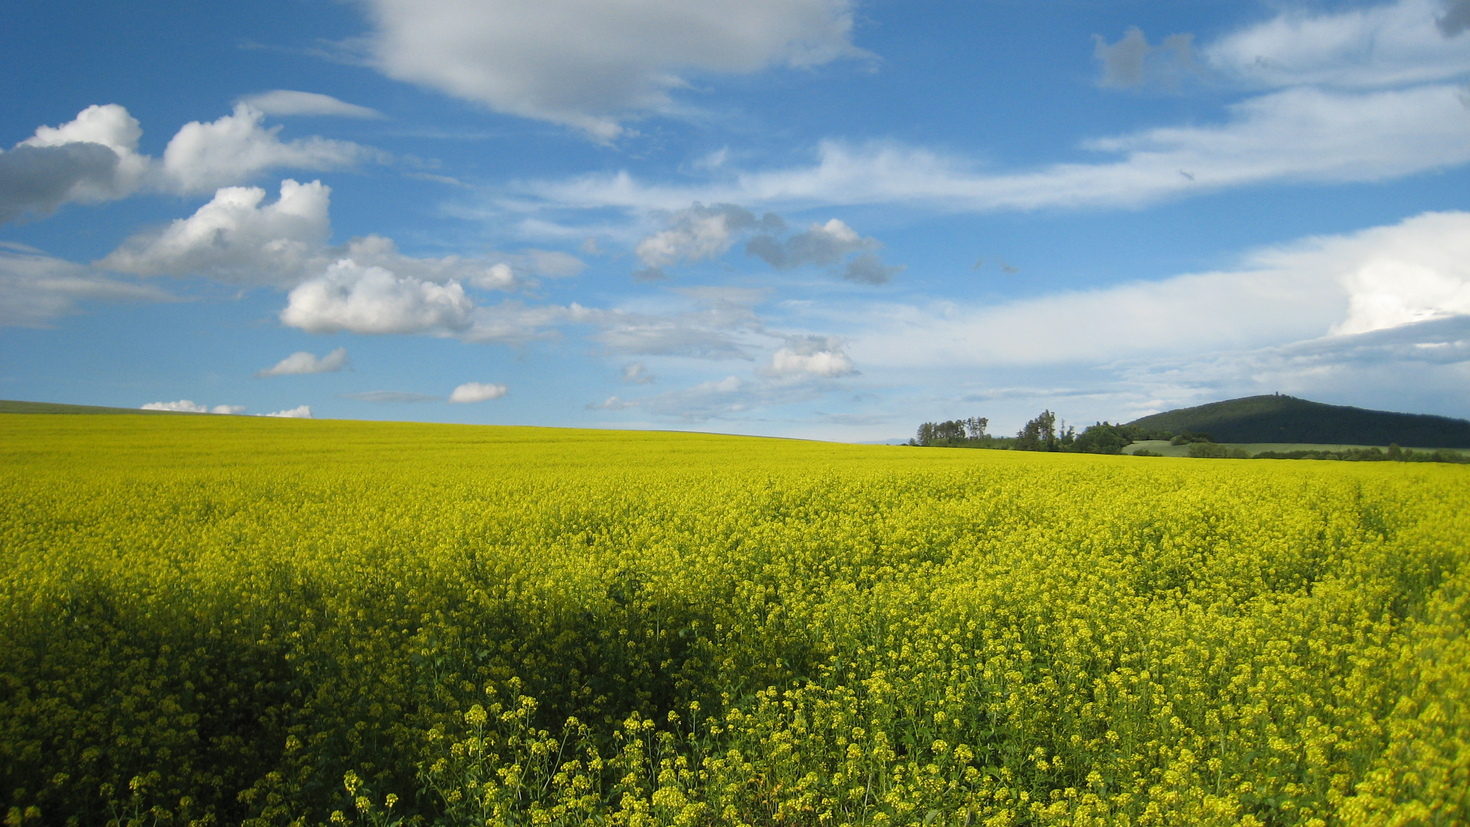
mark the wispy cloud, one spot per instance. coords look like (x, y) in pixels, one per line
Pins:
(1373, 279)
(1422, 367)
(697, 233)
(1365, 47)
(302, 362)
(1367, 94)
(288, 102)
(36, 289)
(636, 373)
(709, 323)
(392, 397)
(1300, 134)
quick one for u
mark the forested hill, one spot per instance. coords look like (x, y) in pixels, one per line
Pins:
(1276, 418)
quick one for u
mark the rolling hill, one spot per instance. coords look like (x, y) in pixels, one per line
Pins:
(1277, 418)
(16, 406)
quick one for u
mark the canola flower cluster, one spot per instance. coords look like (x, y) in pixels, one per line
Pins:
(219, 621)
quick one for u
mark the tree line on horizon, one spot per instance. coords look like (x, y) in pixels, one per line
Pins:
(1043, 433)
(1048, 433)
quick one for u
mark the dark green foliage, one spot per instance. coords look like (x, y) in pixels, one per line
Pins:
(1393, 454)
(1044, 433)
(1207, 450)
(1278, 418)
(1102, 438)
(1040, 434)
(953, 433)
(1210, 450)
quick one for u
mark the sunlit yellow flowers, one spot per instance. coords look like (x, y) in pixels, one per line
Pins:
(217, 620)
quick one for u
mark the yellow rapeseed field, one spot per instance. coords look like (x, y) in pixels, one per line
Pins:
(225, 620)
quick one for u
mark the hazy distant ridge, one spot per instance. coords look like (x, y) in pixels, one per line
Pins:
(17, 406)
(1273, 418)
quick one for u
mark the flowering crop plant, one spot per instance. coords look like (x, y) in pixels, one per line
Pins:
(224, 620)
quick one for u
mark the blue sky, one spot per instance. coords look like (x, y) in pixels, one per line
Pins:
(813, 218)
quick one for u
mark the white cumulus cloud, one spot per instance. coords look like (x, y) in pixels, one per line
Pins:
(302, 362)
(369, 299)
(477, 392)
(189, 406)
(377, 251)
(236, 239)
(182, 405)
(204, 156)
(589, 64)
(91, 159)
(299, 412)
(810, 356)
(94, 158)
(1411, 272)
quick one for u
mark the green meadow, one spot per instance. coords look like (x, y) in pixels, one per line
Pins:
(1162, 446)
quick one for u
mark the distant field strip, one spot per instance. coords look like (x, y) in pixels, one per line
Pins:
(230, 620)
(1162, 446)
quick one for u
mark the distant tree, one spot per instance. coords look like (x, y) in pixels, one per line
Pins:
(1102, 438)
(975, 427)
(1040, 434)
(954, 433)
(951, 432)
